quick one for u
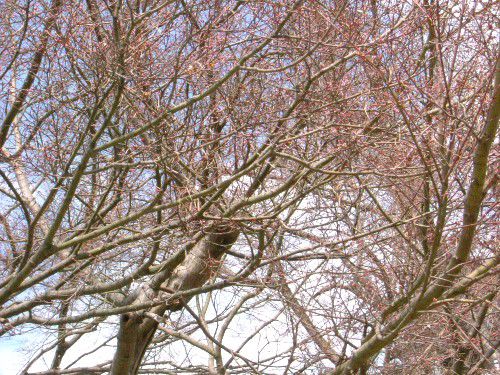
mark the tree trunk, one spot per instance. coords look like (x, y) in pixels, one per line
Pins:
(136, 329)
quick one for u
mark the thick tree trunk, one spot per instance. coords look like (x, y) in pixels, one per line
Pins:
(136, 329)
(133, 337)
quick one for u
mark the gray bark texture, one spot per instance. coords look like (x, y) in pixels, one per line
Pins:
(197, 266)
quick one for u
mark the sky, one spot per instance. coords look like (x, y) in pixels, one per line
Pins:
(11, 357)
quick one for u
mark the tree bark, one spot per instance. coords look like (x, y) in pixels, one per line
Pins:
(137, 330)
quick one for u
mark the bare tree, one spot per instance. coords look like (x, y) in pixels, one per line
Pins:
(258, 187)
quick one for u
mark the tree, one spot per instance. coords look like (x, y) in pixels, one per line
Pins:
(250, 186)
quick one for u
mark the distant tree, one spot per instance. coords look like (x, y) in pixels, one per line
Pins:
(250, 187)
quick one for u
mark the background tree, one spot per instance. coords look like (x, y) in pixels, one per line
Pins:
(250, 186)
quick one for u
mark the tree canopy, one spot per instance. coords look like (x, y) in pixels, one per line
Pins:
(250, 187)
